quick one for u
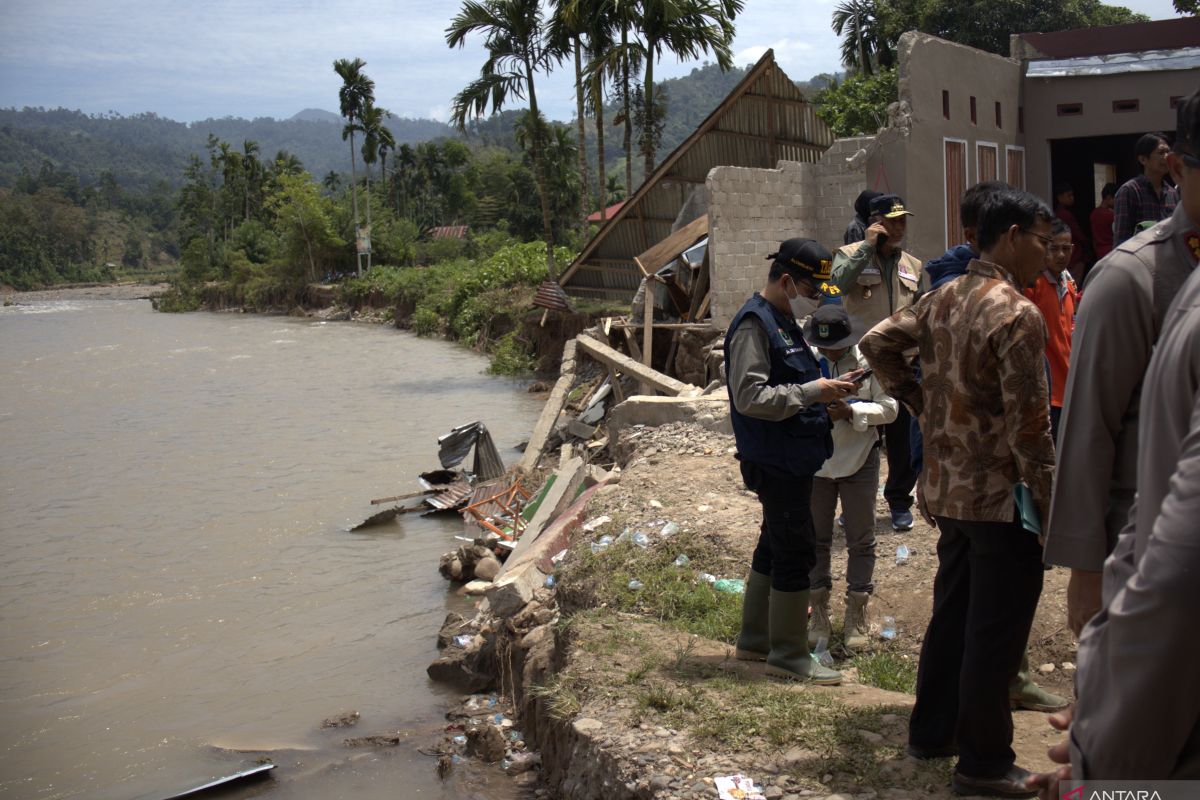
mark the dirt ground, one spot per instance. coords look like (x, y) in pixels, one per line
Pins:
(687, 475)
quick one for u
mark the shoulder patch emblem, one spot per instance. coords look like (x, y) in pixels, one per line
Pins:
(787, 340)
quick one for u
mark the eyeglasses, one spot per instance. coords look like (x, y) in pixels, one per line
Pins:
(1060, 249)
(1046, 240)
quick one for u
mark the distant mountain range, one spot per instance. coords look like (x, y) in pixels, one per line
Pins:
(146, 150)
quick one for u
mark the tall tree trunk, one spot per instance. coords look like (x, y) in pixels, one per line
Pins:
(602, 178)
(626, 109)
(367, 169)
(648, 132)
(354, 199)
(583, 170)
(539, 171)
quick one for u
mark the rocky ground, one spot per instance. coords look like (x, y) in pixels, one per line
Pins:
(648, 674)
(113, 291)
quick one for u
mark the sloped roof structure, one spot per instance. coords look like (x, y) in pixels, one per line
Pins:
(763, 121)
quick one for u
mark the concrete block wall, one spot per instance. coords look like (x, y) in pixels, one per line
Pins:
(752, 210)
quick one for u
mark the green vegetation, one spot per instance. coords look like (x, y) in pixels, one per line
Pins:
(857, 105)
(670, 594)
(887, 670)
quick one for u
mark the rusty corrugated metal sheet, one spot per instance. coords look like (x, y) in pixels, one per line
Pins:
(448, 232)
(763, 121)
(550, 295)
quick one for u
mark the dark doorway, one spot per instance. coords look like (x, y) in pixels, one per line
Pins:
(1087, 163)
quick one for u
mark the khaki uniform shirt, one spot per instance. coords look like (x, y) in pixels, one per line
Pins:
(1138, 713)
(983, 401)
(1125, 299)
(874, 287)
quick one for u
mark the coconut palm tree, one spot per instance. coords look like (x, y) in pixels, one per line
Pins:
(855, 21)
(374, 131)
(519, 46)
(687, 29)
(357, 93)
(568, 26)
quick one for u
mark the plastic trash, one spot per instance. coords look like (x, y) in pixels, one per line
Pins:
(822, 654)
(602, 544)
(641, 539)
(670, 529)
(492, 701)
(730, 585)
(549, 582)
(460, 740)
(635, 585)
(707, 577)
(515, 735)
(889, 628)
(463, 641)
(682, 560)
(498, 719)
(902, 554)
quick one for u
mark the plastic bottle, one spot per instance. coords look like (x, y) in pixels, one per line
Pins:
(641, 539)
(707, 577)
(889, 628)
(730, 585)
(822, 654)
(635, 585)
(902, 554)
(682, 560)
(460, 740)
(463, 641)
(670, 529)
(549, 582)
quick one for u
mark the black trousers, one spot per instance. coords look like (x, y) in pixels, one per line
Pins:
(901, 477)
(787, 545)
(986, 590)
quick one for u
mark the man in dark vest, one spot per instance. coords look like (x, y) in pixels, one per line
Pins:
(777, 403)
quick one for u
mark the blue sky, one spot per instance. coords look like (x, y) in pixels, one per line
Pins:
(192, 59)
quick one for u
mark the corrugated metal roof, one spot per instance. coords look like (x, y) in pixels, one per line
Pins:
(448, 232)
(1117, 64)
(763, 121)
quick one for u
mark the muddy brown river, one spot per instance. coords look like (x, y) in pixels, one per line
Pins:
(177, 583)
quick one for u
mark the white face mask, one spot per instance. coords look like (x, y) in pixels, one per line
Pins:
(803, 306)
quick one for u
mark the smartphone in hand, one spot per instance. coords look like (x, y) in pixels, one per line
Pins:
(862, 376)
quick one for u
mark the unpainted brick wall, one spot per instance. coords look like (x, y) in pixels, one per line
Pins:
(752, 210)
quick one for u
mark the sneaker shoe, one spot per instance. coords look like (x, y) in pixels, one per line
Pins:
(902, 520)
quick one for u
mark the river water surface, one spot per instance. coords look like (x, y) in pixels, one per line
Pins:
(177, 583)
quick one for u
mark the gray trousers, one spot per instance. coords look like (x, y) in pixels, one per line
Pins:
(857, 492)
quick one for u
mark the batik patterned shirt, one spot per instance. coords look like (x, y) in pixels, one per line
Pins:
(983, 402)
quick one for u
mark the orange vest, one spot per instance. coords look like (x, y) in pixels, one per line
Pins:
(1060, 324)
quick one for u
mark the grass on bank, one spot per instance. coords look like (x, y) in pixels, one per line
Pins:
(670, 594)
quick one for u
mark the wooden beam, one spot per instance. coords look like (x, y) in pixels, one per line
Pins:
(615, 381)
(668, 249)
(606, 355)
(635, 349)
(774, 153)
(648, 331)
(666, 326)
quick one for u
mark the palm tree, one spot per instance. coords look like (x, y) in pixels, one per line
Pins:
(568, 26)
(374, 131)
(596, 21)
(686, 28)
(519, 46)
(252, 174)
(332, 181)
(856, 21)
(356, 94)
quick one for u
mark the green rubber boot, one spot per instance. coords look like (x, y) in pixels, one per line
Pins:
(753, 642)
(1024, 693)
(789, 657)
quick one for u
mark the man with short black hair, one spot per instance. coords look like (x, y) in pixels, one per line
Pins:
(983, 403)
(1055, 295)
(1064, 209)
(1144, 198)
(777, 400)
(856, 231)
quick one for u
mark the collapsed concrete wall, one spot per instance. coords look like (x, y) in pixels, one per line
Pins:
(752, 210)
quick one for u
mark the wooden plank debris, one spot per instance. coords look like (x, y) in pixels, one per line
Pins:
(669, 248)
(553, 407)
(640, 372)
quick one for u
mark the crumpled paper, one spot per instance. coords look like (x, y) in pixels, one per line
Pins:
(737, 787)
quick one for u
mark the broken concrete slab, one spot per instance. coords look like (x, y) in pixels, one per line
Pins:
(546, 422)
(509, 595)
(710, 412)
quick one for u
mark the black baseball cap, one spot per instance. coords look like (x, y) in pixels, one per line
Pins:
(829, 327)
(890, 206)
(806, 256)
